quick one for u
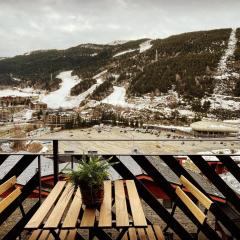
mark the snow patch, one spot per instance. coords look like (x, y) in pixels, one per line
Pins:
(223, 71)
(145, 46)
(18, 92)
(117, 98)
(223, 102)
(124, 52)
(117, 42)
(62, 98)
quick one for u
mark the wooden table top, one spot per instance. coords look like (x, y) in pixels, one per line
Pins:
(63, 208)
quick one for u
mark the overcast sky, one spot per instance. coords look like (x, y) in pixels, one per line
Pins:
(27, 25)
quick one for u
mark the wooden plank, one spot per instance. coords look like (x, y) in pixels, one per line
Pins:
(88, 218)
(51, 236)
(121, 206)
(57, 213)
(136, 205)
(43, 210)
(105, 216)
(141, 234)
(71, 218)
(9, 199)
(125, 236)
(191, 205)
(63, 234)
(8, 184)
(196, 192)
(158, 232)
(44, 235)
(132, 234)
(35, 234)
(150, 233)
(72, 234)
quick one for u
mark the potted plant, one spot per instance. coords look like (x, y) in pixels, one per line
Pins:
(89, 176)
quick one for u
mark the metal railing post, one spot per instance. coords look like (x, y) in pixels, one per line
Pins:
(40, 179)
(55, 161)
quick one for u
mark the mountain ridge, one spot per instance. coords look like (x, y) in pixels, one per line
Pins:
(185, 63)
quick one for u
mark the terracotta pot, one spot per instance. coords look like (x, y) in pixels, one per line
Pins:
(92, 196)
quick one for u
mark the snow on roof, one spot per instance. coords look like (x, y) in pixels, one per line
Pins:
(231, 181)
(213, 126)
(219, 151)
(127, 161)
(171, 127)
(47, 167)
(28, 173)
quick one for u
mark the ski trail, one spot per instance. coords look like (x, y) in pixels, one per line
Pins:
(223, 70)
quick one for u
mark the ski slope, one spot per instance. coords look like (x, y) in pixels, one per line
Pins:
(145, 46)
(223, 70)
(117, 98)
(62, 98)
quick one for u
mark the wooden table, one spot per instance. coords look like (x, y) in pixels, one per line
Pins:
(63, 210)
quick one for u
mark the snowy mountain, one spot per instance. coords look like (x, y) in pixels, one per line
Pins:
(189, 73)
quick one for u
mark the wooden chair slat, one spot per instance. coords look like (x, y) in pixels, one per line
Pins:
(196, 192)
(88, 218)
(142, 234)
(63, 234)
(122, 219)
(150, 233)
(135, 204)
(105, 216)
(57, 213)
(44, 235)
(9, 199)
(191, 205)
(158, 232)
(125, 236)
(43, 210)
(35, 234)
(73, 212)
(72, 234)
(132, 234)
(51, 237)
(8, 184)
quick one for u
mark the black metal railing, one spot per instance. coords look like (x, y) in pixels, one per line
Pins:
(144, 161)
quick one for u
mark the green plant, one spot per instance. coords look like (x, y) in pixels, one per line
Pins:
(91, 172)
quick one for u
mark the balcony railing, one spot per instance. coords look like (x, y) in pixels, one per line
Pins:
(157, 168)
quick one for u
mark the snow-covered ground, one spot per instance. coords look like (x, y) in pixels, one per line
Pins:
(223, 102)
(18, 92)
(145, 46)
(124, 52)
(62, 98)
(117, 42)
(142, 48)
(117, 98)
(223, 70)
(23, 116)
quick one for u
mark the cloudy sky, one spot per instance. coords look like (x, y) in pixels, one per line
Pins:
(27, 25)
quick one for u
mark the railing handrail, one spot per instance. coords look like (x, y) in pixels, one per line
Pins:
(123, 140)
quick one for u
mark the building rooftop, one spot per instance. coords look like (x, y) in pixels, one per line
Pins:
(213, 126)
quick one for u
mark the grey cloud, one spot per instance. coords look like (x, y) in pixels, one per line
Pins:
(27, 25)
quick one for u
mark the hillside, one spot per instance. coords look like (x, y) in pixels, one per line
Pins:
(190, 65)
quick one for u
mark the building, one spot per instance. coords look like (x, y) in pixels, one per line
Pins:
(14, 100)
(213, 129)
(38, 106)
(5, 114)
(61, 117)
